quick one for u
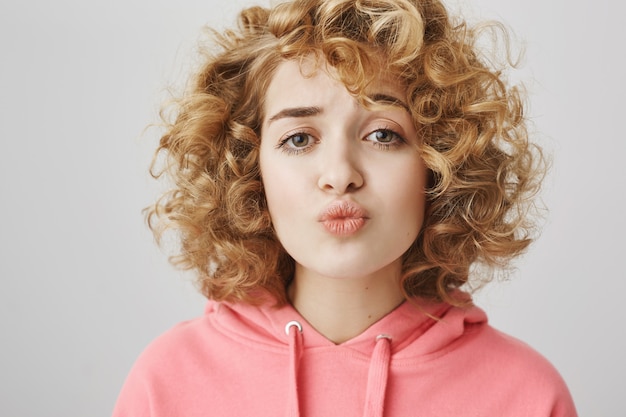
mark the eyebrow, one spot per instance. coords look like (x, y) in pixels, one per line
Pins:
(295, 112)
(387, 99)
(314, 110)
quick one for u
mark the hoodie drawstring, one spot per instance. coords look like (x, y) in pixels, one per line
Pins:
(377, 377)
(295, 344)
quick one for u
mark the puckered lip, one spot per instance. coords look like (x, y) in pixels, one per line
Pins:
(342, 210)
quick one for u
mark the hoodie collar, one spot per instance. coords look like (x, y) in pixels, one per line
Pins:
(416, 327)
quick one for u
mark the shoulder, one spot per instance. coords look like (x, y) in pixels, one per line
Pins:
(473, 338)
(184, 335)
(504, 351)
(182, 345)
(174, 344)
(495, 368)
(484, 349)
(173, 356)
(517, 370)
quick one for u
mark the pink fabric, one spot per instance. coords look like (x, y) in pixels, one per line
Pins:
(239, 360)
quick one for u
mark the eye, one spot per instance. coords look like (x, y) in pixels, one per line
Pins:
(296, 143)
(299, 140)
(384, 138)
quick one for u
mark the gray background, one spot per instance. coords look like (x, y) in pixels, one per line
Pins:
(84, 289)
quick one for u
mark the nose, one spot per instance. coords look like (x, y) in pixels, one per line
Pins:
(340, 171)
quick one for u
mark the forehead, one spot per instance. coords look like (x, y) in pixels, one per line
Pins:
(312, 76)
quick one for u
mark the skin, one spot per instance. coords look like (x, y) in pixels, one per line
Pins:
(320, 148)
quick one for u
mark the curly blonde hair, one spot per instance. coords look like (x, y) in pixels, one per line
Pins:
(473, 139)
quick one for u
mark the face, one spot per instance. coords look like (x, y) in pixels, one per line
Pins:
(344, 184)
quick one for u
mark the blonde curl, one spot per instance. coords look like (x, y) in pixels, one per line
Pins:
(473, 139)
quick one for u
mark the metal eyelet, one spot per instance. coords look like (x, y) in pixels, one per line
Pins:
(383, 336)
(291, 324)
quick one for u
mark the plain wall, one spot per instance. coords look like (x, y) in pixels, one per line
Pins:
(84, 288)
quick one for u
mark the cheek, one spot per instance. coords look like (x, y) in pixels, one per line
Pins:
(281, 191)
(269, 177)
(272, 194)
(407, 194)
(405, 177)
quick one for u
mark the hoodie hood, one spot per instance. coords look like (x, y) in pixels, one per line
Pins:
(426, 359)
(416, 327)
(413, 329)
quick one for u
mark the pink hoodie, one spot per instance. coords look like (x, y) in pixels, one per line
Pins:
(240, 360)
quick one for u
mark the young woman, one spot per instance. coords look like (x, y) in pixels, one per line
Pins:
(340, 167)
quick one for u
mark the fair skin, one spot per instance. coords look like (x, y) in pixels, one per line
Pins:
(345, 191)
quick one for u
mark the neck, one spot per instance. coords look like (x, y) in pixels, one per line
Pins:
(342, 308)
